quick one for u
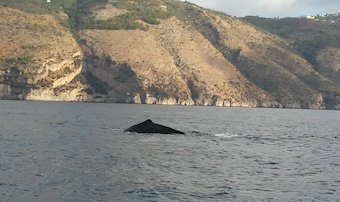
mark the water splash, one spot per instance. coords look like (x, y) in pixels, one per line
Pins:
(226, 135)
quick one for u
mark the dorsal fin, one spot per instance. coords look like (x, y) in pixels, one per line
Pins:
(148, 121)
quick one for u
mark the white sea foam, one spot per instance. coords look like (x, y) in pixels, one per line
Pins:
(116, 129)
(226, 135)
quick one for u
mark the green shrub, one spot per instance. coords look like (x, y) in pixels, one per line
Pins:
(145, 10)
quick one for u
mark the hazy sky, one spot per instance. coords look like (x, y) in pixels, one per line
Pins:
(271, 8)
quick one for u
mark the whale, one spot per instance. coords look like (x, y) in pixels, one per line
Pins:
(150, 127)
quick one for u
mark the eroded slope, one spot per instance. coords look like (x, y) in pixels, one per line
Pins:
(40, 58)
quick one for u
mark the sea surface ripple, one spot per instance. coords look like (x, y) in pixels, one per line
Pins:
(54, 151)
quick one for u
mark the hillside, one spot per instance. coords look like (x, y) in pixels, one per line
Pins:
(158, 52)
(316, 39)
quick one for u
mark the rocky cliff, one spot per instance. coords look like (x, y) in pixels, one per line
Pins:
(169, 66)
(181, 55)
(39, 58)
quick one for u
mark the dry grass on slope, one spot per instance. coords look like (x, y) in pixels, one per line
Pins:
(268, 62)
(169, 57)
(8, 49)
(44, 48)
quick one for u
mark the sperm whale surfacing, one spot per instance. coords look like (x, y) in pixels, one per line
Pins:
(150, 127)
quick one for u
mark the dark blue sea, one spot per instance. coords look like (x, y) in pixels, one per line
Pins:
(55, 151)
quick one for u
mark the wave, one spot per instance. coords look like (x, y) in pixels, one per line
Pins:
(116, 129)
(226, 135)
(194, 133)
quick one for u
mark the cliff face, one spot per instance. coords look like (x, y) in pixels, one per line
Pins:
(39, 58)
(173, 64)
(192, 57)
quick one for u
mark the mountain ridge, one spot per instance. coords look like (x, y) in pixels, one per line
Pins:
(171, 52)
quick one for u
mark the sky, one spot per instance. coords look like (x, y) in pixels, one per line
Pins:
(271, 8)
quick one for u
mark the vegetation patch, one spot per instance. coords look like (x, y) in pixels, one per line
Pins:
(149, 12)
(125, 21)
(39, 6)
